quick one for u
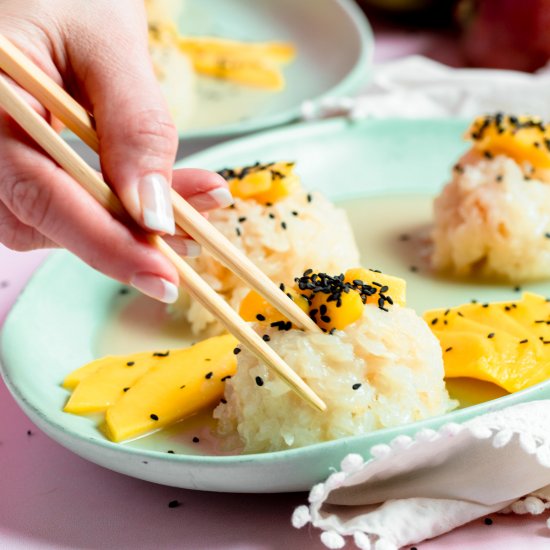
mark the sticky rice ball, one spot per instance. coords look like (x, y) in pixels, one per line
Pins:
(375, 367)
(493, 218)
(384, 370)
(283, 233)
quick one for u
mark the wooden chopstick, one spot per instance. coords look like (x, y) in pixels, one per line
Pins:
(74, 116)
(54, 145)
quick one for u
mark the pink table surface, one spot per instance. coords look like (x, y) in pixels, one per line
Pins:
(53, 499)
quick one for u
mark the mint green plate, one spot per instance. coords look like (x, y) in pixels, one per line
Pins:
(334, 47)
(385, 172)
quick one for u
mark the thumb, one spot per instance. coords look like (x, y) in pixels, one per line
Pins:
(138, 140)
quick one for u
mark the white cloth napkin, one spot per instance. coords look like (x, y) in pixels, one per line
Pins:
(417, 87)
(417, 488)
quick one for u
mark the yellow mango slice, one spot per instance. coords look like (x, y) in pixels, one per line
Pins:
(507, 343)
(503, 361)
(265, 183)
(74, 378)
(251, 64)
(281, 187)
(523, 138)
(396, 287)
(106, 379)
(170, 392)
(255, 308)
(336, 314)
(277, 52)
(256, 73)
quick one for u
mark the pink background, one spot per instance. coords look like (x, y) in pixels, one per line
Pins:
(51, 498)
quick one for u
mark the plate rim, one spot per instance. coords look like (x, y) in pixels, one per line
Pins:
(358, 75)
(212, 461)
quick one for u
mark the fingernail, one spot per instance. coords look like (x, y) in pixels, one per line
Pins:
(186, 247)
(215, 198)
(156, 287)
(156, 206)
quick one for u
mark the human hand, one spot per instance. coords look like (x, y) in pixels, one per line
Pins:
(98, 51)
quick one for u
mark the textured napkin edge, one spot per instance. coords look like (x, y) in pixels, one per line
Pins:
(498, 426)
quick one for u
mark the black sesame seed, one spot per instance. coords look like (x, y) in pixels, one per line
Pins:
(404, 237)
(224, 401)
(449, 349)
(547, 235)
(236, 351)
(356, 386)
(241, 219)
(524, 341)
(266, 338)
(209, 375)
(488, 521)
(325, 318)
(170, 452)
(259, 381)
(517, 289)
(283, 225)
(181, 387)
(434, 321)
(163, 354)
(309, 197)
(294, 213)
(269, 204)
(413, 268)
(238, 231)
(271, 215)
(125, 389)
(499, 178)
(130, 363)
(153, 416)
(226, 377)
(260, 317)
(485, 305)
(122, 291)
(196, 439)
(29, 433)
(491, 335)
(174, 504)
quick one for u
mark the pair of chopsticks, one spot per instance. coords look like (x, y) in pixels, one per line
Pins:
(61, 105)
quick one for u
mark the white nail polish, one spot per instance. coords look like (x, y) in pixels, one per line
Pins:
(155, 203)
(215, 198)
(192, 248)
(185, 247)
(155, 287)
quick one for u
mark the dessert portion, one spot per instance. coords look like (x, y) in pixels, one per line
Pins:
(184, 64)
(492, 220)
(282, 228)
(376, 366)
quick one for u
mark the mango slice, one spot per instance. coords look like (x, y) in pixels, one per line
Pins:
(396, 287)
(265, 183)
(336, 314)
(277, 52)
(173, 390)
(251, 64)
(507, 343)
(255, 308)
(100, 383)
(523, 138)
